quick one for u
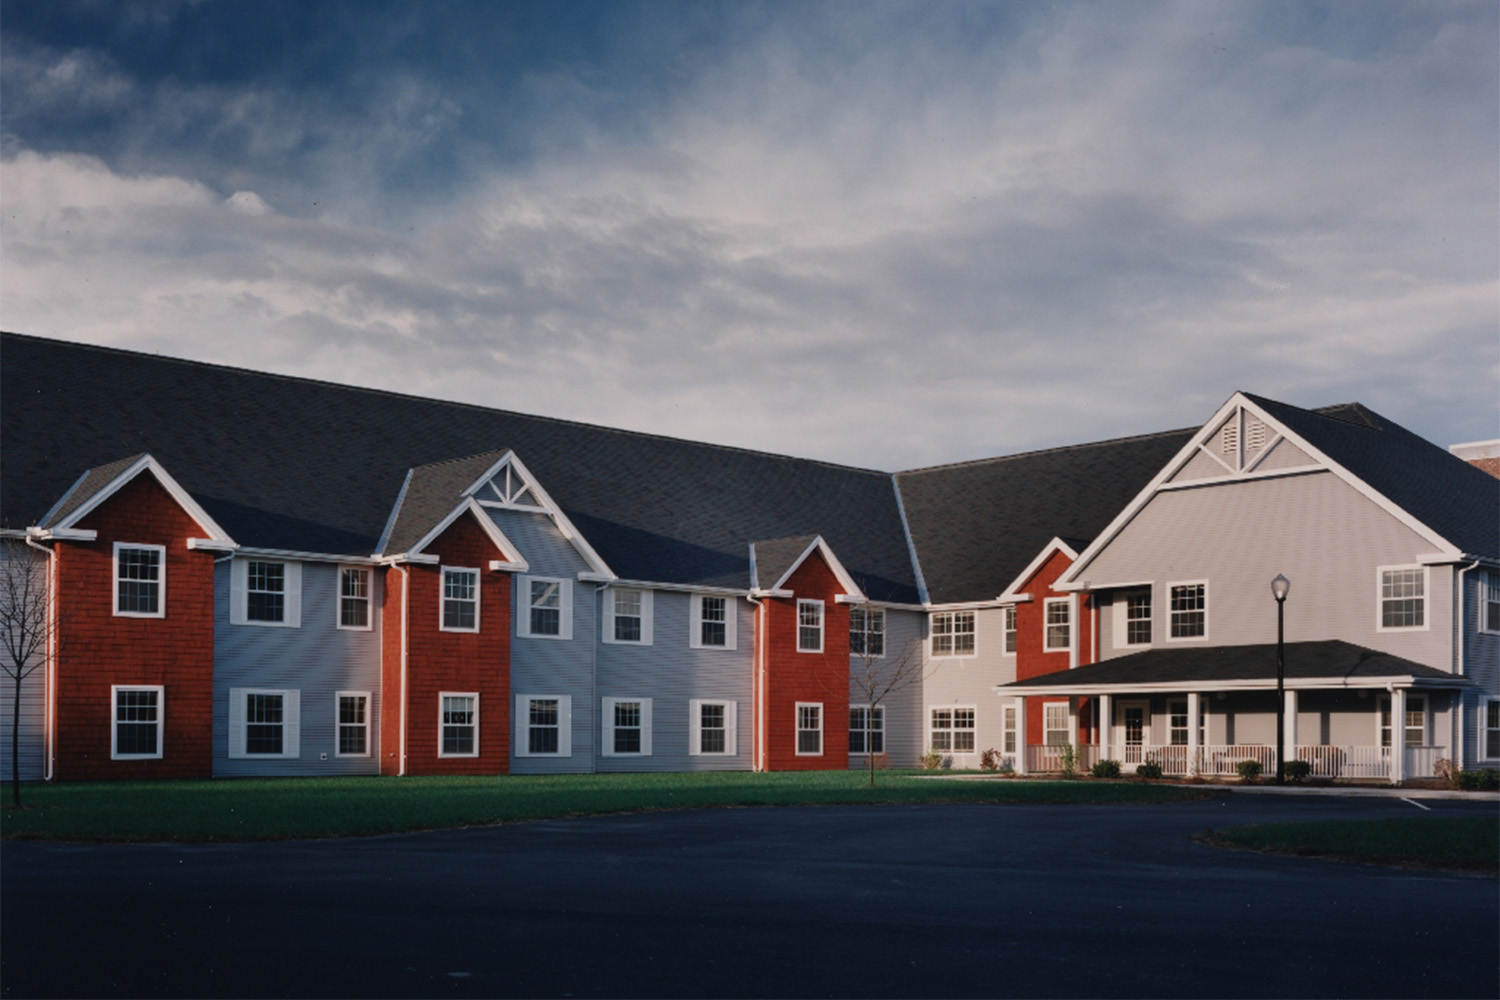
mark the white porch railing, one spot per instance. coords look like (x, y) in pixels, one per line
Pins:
(1222, 760)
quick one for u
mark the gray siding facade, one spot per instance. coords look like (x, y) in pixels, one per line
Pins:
(969, 682)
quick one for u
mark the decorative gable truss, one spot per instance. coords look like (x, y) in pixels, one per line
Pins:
(97, 485)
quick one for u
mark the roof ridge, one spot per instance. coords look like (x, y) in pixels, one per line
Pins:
(1056, 449)
(447, 402)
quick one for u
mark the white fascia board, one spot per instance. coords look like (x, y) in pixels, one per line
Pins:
(1090, 587)
(911, 545)
(61, 534)
(419, 558)
(16, 533)
(1009, 598)
(762, 592)
(1245, 684)
(504, 566)
(1056, 545)
(64, 498)
(390, 522)
(587, 576)
(842, 575)
(486, 524)
(965, 605)
(1444, 558)
(300, 556)
(213, 545)
(684, 588)
(144, 464)
(569, 531)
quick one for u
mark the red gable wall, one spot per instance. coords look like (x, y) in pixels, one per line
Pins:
(807, 677)
(1031, 658)
(98, 649)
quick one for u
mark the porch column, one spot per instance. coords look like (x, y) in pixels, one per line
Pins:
(1105, 724)
(1398, 735)
(1194, 709)
(1291, 724)
(1072, 720)
(1021, 735)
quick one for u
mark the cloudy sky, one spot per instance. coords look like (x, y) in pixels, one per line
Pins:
(889, 235)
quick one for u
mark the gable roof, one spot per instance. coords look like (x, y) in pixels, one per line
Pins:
(977, 525)
(773, 562)
(429, 495)
(1453, 498)
(310, 466)
(98, 484)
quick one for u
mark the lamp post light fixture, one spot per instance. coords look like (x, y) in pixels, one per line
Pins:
(1279, 588)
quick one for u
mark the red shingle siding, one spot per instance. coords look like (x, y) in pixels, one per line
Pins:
(459, 662)
(99, 649)
(1032, 659)
(793, 677)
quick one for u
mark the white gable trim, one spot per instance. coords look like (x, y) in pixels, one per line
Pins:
(513, 558)
(512, 464)
(1069, 579)
(390, 522)
(911, 546)
(1014, 592)
(842, 575)
(148, 464)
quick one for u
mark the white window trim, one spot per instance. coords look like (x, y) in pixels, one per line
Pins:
(695, 727)
(161, 718)
(1010, 633)
(291, 724)
(443, 598)
(953, 730)
(797, 722)
(161, 581)
(338, 604)
(239, 588)
(474, 725)
(1008, 728)
(1049, 708)
(564, 609)
(338, 723)
(1120, 615)
(1169, 637)
(1384, 707)
(522, 725)
(607, 727)
(822, 624)
(868, 611)
(647, 618)
(1483, 728)
(879, 712)
(1482, 615)
(695, 621)
(932, 634)
(1426, 625)
(1047, 605)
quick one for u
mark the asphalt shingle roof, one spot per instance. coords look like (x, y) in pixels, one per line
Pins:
(431, 494)
(775, 556)
(1207, 664)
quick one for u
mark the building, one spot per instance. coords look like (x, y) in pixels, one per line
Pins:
(273, 576)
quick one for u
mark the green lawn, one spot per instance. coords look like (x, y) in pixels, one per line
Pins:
(1470, 843)
(273, 809)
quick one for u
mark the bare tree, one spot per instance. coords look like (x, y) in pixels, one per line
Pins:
(876, 672)
(27, 630)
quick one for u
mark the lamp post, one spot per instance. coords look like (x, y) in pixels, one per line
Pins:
(1279, 588)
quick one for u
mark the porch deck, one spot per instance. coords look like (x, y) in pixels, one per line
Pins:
(1221, 760)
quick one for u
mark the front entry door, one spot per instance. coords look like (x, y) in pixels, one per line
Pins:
(1133, 722)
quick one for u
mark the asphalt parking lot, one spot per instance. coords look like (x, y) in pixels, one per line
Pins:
(966, 900)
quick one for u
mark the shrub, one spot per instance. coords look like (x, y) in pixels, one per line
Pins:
(1480, 780)
(1106, 769)
(1067, 756)
(990, 760)
(1445, 770)
(1249, 770)
(1296, 771)
(931, 760)
(1150, 770)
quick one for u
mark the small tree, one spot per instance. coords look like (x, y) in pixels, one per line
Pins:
(27, 630)
(875, 671)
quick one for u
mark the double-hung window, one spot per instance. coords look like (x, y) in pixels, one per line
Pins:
(1189, 611)
(1413, 727)
(266, 592)
(1008, 730)
(866, 721)
(809, 626)
(458, 723)
(1403, 597)
(353, 724)
(546, 608)
(627, 727)
(953, 633)
(137, 725)
(712, 728)
(544, 725)
(1490, 732)
(264, 722)
(1010, 629)
(712, 624)
(140, 578)
(1137, 619)
(809, 729)
(629, 613)
(1055, 729)
(460, 600)
(867, 631)
(354, 597)
(1058, 635)
(952, 730)
(1177, 723)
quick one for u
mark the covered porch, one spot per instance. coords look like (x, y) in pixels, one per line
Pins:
(1351, 713)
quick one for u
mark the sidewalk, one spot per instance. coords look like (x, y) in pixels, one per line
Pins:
(1365, 791)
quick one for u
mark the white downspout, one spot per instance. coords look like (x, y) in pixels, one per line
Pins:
(1460, 639)
(758, 759)
(49, 662)
(405, 606)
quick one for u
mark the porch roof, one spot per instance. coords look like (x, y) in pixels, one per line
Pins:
(1327, 664)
